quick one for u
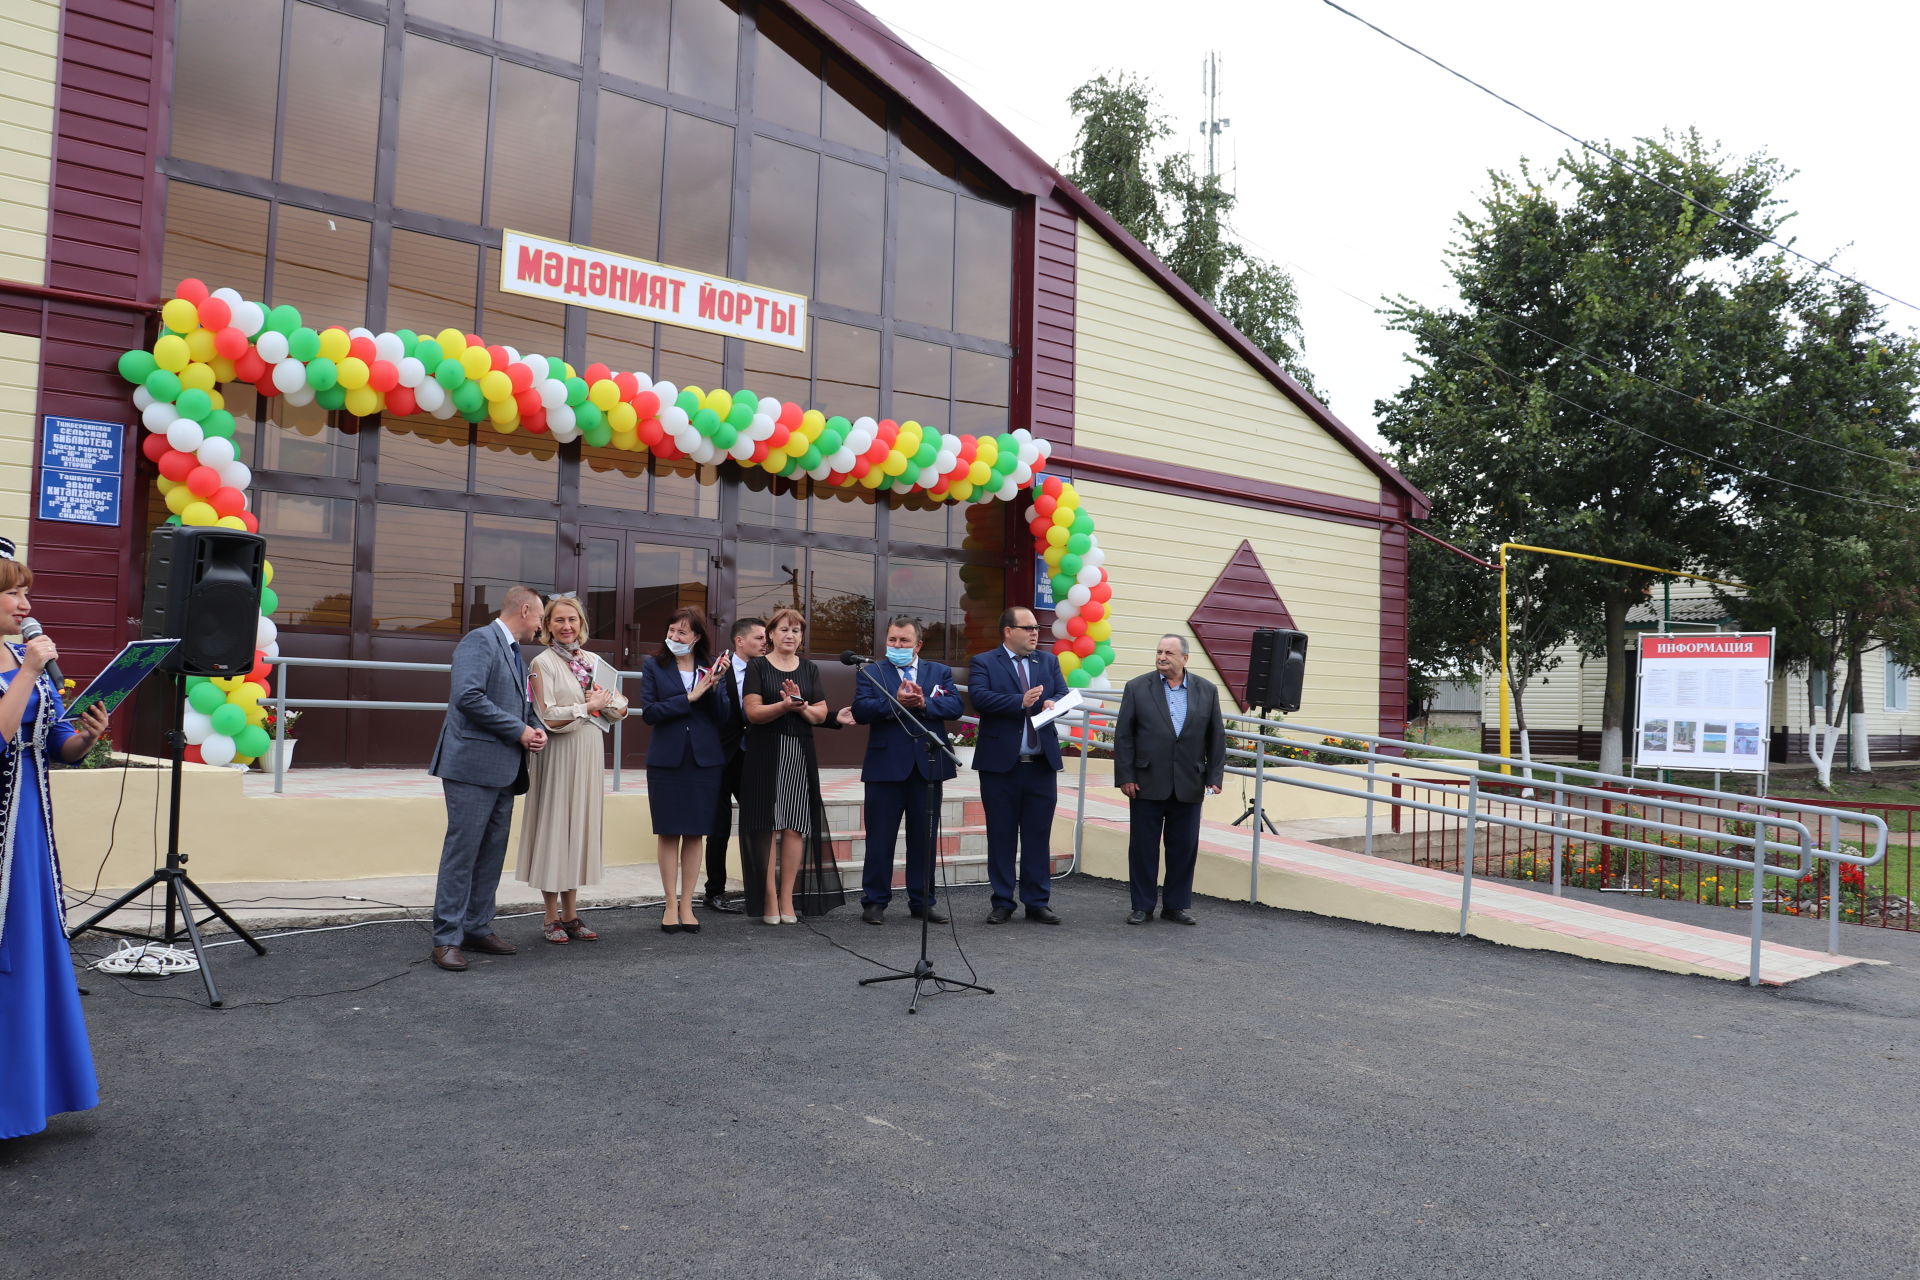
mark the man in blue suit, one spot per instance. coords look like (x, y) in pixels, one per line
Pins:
(1017, 764)
(481, 761)
(896, 769)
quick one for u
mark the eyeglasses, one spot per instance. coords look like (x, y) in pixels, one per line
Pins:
(1034, 627)
(564, 595)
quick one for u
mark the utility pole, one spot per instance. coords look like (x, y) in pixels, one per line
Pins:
(1211, 127)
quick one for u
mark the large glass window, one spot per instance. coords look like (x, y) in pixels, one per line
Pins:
(980, 393)
(311, 541)
(918, 589)
(419, 564)
(699, 193)
(665, 579)
(786, 75)
(914, 517)
(522, 465)
(431, 283)
(846, 364)
(513, 319)
(853, 225)
(443, 144)
(320, 266)
(923, 270)
(531, 187)
(683, 487)
(306, 439)
(504, 551)
(840, 609)
(690, 358)
(855, 113)
(922, 384)
(425, 451)
(611, 477)
(983, 270)
(635, 40)
(546, 26)
(226, 82)
(629, 155)
(705, 43)
(780, 228)
(215, 237)
(332, 124)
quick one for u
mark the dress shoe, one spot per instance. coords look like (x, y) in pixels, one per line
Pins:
(999, 915)
(769, 919)
(874, 913)
(725, 905)
(787, 919)
(1179, 915)
(689, 927)
(1140, 917)
(669, 928)
(1042, 915)
(492, 944)
(932, 915)
(450, 959)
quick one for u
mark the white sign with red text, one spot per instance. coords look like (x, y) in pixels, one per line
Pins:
(1704, 702)
(581, 277)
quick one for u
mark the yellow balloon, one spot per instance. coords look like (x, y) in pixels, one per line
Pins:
(334, 344)
(626, 440)
(475, 361)
(246, 695)
(812, 422)
(1101, 630)
(797, 445)
(895, 465)
(170, 352)
(200, 344)
(197, 377)
(266, 573)
(987, 451)
(1069, 661)
(622, 418)
(496, 386)
(979, 472)
(180, 315)
(231, 522)
(504, 413)
(1057, 536)
(177, 499)
(960, 491)
(198, 513)
(219, 401)
(718, 401)
(353, 373)
(222, 369)
(602, 394)
(227, 684)
(874, 478)
(452, 343)
(256, 714)
(1069, 496)
(1062, 516)
(363, 402)
(699, 396)
(1052, 556)
(165, 486)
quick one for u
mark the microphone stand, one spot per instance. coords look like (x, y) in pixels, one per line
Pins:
(922, 971)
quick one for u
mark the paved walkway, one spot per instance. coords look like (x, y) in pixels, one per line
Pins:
(1297, 872)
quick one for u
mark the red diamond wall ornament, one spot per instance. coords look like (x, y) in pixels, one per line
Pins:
(1240, 601)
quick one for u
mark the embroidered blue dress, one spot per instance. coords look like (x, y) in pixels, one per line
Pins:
(46, 1064)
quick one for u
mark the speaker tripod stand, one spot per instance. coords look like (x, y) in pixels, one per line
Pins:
(172, 877)
(1254, 809)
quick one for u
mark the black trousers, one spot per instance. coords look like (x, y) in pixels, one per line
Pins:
(887, 803)
(1179, 823)
(1019, 805)
(721, 831)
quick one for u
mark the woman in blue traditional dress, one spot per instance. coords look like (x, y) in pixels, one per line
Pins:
(46, 1065)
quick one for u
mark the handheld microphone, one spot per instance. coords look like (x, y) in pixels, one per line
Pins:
(852, 659)
(32, 630)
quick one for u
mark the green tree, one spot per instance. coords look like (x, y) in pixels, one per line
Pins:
(1545, 407)
(1182, 215)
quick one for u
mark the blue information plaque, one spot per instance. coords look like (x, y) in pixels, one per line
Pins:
(80, 465)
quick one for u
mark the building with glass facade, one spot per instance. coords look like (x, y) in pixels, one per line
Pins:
(360, 160)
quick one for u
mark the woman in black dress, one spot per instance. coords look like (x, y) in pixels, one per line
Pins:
(783, 825)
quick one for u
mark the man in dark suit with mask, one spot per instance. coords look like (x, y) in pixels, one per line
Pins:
(1169, 751)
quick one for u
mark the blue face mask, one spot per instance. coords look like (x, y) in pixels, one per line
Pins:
(900, 657)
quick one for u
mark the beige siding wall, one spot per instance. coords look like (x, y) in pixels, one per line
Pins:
(19, 394)
(1328, 575)
(29, 39)
(1153, 383)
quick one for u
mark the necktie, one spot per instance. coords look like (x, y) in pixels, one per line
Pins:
(1029, 745)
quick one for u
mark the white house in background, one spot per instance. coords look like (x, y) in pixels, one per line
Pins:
(1571, 696)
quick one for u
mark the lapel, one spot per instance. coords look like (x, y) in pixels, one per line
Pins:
(1157, 695)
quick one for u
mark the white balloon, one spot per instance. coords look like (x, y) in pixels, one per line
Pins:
(1022, 476)
(217, 749)
(1079, 596)
(821, 472)
(1089, 575)
(272, 650)
(229, 296)
(668, 393)
(300, 397)
(1023, 435)
(289, 376)
(430, 395)
(1101, 682)
(388, 347)
(142, 398)
(565, 435)
(1045, 447)
(646, 383)
(249, 317)
(674, 419)
(272, 347)
(236, 475)
(552, 391)
(703, 452)
(513, 356)
(561, 418)
(186, 435)
(196, 725)
(929, 476)
(215, 452)
(842, 459)
(359, 333)
(158, 416)
(1060, 631)
(412, 372)
(443, 410)
(266, 633)
(742, 447)
(1095, 556)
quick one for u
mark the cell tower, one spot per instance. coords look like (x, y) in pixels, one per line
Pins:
(1213, 124)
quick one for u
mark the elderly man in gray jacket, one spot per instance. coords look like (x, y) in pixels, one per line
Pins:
(481, 761)
(1169, 751)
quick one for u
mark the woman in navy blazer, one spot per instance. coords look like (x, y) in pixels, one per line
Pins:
(685, 758)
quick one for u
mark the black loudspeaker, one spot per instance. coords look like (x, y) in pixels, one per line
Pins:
(1277, 669)
(203, 588)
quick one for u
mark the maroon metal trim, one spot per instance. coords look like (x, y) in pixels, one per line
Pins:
(1464, 555)
(49, 293)
(1264, 495)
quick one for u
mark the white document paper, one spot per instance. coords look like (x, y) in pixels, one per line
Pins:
(1060, 708)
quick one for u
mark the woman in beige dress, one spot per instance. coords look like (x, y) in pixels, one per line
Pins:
(560, 823)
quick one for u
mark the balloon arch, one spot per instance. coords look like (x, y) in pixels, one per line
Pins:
(209, 338)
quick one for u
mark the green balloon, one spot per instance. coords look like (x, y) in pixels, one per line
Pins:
(269, 601)
(576, 391)
(429, 354)
(740, 417)
(467, 398)
(283, 319)
(163, 386)
(194, 404)
(194, 682)
(1078, 677)
(724, 435)
(1104, 652)
(172, 520)
(749, 398)
(1061, 584)
(929, 450)
(839, 426)
(587, 415)
(599, 435)
(450, 375)
(332, 398)
(206, 698)
(322, 373)
(688, 402)
(1093, 664)
(218, 423)
(1070, 566)
(811, 458)
(706, 421)
(303, 343)
(251, 741)
(228, 719)
(136, 366)
(408, 340)
(1079, 543)
(1082, 522)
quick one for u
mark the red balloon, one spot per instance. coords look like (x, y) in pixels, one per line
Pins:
(262, 672)
(628, 384)
(383, 375)
(228, 342)
(1043, 508)
(251, 521)
(203, 481)
(536, 421)
(250, 367)
(498, 355)
(155, 446)
(192, 290)
(1084, 646)
(475, 340)
(1101, 593)
(650, 431)
(1039, 526)
(1076, 626)
(401, 402)
(215, 314)
(781, 434)
(519, 377)
(645, 403)
(265, 386)
(790, 415)
(361, 349)
(175, 465)
(667, 449)
(596, 372)
(1062, 646)
(761, 449)
(1051, 488)
(528, 401)
(192, 754)
(228, 502)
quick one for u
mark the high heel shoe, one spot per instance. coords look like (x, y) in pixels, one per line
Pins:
(769, 919)
(786, 919)
(689, 928)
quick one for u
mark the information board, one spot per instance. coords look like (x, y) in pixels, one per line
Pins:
(80, 464)
(1704, 702)
(1042, 585)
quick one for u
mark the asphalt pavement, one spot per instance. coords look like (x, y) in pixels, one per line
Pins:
(1268, 1094)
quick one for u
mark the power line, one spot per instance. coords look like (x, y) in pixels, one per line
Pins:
(1628, 165)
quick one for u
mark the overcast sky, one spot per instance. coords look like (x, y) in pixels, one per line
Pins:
(1352, 157)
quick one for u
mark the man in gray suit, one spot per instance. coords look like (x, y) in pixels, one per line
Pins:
(1169, 748)
(481, 761)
